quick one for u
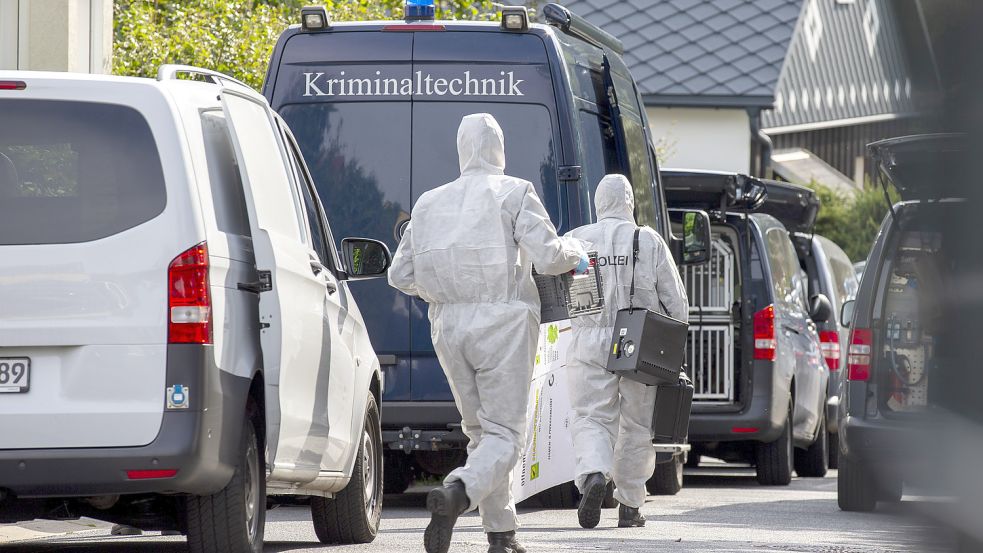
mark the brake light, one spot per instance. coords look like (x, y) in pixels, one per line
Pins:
(12, 85)
(858, 354)
(150, 474)
(189, 303)
(411, 27)
(743, 430)
(764, 334)
(829, 342)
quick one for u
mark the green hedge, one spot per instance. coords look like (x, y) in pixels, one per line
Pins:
(851, 223)
(235, 37)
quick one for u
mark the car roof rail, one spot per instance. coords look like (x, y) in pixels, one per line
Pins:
(171, 71)
(572, 24)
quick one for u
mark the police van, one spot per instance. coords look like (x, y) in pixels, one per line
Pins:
(375, 107)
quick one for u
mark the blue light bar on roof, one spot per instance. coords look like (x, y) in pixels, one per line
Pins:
(420, 9)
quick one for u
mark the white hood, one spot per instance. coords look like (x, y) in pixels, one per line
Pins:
(614, 198)
(480, 145)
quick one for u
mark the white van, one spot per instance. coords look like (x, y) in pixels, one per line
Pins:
(177, 337)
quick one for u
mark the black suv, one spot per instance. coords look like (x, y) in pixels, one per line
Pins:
(754, 352)
(895, 362)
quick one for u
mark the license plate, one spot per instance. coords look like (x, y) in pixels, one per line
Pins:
(15, 374)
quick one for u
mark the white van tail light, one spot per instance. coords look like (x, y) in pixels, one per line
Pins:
(858, 356)
(189, 303)
(764, 334)
(829, 341)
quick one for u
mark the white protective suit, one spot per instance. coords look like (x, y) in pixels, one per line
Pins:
(469, 253)
(612, 416)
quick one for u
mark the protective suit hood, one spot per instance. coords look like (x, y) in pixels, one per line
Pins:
(480, 145)
(614, 198)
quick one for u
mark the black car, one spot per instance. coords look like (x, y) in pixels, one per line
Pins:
(754, 352)
(896, 368)
(375, 107)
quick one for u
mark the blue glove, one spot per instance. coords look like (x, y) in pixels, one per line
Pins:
(582, 266)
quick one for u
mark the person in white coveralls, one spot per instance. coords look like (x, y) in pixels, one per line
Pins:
(612, 416)
(468, 252)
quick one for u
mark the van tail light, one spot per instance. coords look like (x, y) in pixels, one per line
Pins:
(858, 355)
(189, 303)
(764, 334)
(829, 342)
(12, 85)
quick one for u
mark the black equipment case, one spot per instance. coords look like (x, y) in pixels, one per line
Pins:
(647, 347)
(670, 422)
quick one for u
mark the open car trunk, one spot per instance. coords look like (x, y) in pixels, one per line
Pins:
(922, 167)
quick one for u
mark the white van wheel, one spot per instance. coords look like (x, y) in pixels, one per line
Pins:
(353, 515)
(234, 518)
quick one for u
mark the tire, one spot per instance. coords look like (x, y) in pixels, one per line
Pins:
(564, 496)
(774, 459)
(856, 488)
(813, 462)
(834, 451)
(234, 518)
(667, 478)
(397, 473)
(353, 515)
(890, 489)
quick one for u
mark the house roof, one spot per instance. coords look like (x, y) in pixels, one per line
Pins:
(700, 52)
(848, 61)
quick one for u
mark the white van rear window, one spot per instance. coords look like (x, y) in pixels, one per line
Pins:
(75, 171)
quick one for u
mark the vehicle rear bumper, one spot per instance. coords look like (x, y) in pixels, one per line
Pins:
(908, 449)
(758, 425)
(200, 442)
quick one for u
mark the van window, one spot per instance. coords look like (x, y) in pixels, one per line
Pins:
(223, 175)
(529, 148)
(786, 275)
(844, 277)
(275, 197)
(319, 236)
(359, 156)
(75, 171)
(639, 170)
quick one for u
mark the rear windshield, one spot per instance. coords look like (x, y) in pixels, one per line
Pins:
(362, 155)
(75, 171)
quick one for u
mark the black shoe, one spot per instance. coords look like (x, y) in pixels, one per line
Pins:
(445, 504)
(504, 542)
(629, 517)
(589, 511)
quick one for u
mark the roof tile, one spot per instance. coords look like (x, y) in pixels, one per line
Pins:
(699, 47)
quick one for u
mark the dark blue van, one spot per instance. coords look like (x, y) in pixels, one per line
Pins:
(375, 107)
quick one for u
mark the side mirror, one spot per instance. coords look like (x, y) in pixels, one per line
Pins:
(820, 308)
(694, 248)
(846, 312)
(365, 258)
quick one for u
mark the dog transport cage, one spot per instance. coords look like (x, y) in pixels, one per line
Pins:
(710, 347)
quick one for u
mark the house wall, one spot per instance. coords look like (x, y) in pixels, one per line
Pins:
(702, 138)
(845, 147)
(56, 35)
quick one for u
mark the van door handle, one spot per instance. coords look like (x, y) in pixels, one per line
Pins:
(331, 286)
(790, 329)
(316, 267)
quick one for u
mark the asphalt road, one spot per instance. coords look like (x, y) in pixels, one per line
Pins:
(721, 509)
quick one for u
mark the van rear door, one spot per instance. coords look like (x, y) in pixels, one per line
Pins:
(290, 289)
(87, 230)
